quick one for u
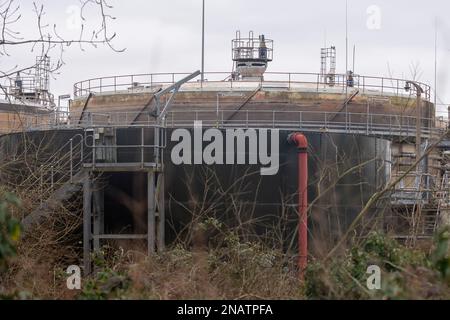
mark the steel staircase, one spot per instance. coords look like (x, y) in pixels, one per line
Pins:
(56, 180)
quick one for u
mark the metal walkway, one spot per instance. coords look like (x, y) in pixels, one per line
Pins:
(372, 124)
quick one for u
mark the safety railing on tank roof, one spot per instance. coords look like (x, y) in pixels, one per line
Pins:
(27, 96)
(307, 121)
(311, 121)
(288, 80)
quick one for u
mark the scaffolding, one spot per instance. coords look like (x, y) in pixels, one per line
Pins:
(420, 202)
(328, 65)
(34, 87)
(42, 75)
(251, 56)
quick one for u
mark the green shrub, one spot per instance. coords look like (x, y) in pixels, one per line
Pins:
(441, 255)
(10, 229)
(406, 273)
(107, 282)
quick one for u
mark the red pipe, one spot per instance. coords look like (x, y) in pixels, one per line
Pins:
(302, 144)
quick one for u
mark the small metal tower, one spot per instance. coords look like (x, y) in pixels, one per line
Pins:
(42, 76)
(328, 59)
(251, 56)
(34, 86)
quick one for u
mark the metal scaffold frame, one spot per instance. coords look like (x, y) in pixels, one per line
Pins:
(32, 86)
(93, 207)
(328, 59)
(102, 159)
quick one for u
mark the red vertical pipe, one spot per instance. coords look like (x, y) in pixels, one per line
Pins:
(302, 145)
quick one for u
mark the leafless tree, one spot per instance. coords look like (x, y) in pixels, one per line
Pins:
(45, 38)
(415, 70)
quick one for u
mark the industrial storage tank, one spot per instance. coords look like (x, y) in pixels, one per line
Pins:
(119, 138)
(198, 192)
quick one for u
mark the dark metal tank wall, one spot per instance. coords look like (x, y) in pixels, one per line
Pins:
(267, 205)
(238, 194)
(21, 153)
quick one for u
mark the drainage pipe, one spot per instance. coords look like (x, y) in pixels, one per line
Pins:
(300, 141)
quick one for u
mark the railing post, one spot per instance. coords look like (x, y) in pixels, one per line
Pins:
(390, 124)
(371, 123)
(142, 146)
(367, 120)
(247, 120)
(300, 119)
(349, 122)
(94, 155)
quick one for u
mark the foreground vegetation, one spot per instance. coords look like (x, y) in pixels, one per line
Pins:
(223, 267)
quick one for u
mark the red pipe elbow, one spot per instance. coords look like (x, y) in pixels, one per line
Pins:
(299, 140)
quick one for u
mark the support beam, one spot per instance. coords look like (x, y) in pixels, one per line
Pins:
(161, 213)
(419, 92)
(87, 231)
(151, 214)
(161, 114)
(344, 106)
(99, 214)
(90, 96)
(247, 100)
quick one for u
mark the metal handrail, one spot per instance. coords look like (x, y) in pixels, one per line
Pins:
(315, 81)
(58, 169)
(61, 167)
(357, 123)
(157, 147)
(28, 94)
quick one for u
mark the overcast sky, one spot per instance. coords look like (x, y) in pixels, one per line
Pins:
(165, 36)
